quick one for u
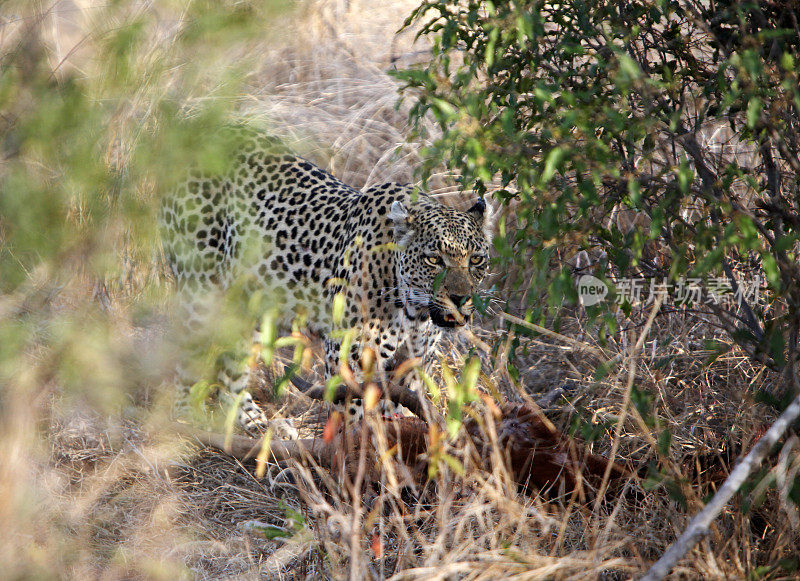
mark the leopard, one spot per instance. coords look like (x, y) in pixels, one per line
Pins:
(403, 267)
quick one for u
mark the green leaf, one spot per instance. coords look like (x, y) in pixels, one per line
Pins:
(685, 177)
(330, 386)
(445, 109)
(629, 67)
(280, 384)
(771, 270)
(470, 375)
(784, 243)
(754, 106)
(554, 157)
(664, 442)
(490, 46)
(337, 310)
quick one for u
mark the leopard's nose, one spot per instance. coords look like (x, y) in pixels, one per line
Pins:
(459, 300)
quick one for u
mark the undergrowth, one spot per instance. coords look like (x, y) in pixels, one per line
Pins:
(101, 105)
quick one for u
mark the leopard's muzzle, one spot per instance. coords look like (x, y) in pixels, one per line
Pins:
(451, 311)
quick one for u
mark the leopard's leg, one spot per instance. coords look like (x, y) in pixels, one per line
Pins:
(196, 266)
(353, 410)
(188, 319)
(182, 381)
(235, 373)
(193, 319)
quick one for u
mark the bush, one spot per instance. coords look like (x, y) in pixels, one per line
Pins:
(659, 137)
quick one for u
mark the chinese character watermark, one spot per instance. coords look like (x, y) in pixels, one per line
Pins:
(684, 292)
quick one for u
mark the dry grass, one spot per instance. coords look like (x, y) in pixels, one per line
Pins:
(90, 490)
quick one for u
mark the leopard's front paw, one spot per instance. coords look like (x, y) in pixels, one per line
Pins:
(283, 429)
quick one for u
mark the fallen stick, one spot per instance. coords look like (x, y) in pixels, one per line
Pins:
(700, 525)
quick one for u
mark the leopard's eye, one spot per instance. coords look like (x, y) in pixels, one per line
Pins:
(477, 259)
(433, 260)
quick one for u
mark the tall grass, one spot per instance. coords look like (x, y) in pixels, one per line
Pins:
(103, 106)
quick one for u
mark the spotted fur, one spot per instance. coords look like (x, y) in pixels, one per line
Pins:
(406, 265)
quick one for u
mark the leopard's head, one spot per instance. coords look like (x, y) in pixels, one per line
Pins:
(444, 255)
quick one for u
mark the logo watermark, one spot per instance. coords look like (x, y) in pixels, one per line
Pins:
(687, 292)
(591, 290)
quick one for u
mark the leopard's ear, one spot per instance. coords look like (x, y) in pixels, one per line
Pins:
(484, 217)
(477, 210)
(403, 224)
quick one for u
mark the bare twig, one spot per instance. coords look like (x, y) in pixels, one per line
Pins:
(543, 331)
(700, 524)
(633, 355)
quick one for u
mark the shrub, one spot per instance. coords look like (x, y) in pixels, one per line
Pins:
(660, 137)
